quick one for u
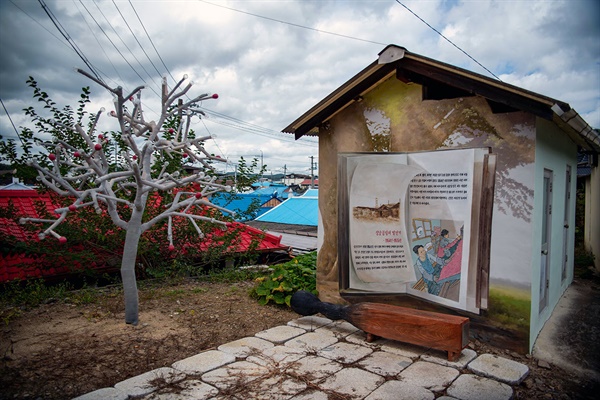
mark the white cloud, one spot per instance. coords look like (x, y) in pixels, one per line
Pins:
(268, 73)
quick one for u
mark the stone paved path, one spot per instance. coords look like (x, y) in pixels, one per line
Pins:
(314, 358)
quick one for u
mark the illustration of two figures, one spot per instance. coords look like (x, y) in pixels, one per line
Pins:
(432, 257)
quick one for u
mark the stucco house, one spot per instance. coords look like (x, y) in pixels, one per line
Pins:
(404, 103)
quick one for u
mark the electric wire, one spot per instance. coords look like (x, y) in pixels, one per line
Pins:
(135, 37)
(97, 41)
(12, 123)
(151, 42)
(37, 22)
(65, 34)
(115, 46)
(448, 40)
(292, 24)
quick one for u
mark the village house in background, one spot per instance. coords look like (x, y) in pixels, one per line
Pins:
(404, 103)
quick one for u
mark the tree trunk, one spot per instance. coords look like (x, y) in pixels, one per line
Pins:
(128, 267)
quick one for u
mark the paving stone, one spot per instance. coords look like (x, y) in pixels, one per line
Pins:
(429, 375)
(341, 328)
(237, 373)
(345, 353)
(403, 349)
(278, 387)
(143, 384)
(311, 395)
(446, 398)
(243, 347)
(188, 390)
(473, 387)
(384, 363)
(203, 362)
(312, 341)
(361, 338)
(104, 394)
(355, 383)
(314, 368)
(280, 334)
(394, 390)
(310, 323)
(441, 357)
(499, 368)
(277, 356)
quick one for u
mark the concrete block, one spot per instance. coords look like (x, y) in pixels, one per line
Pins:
(312, 341)
(104, 394)
(345, 353)
(187, 390)
(429, 375)
(394, 390)
(384, 363)
(203, 362)
(441, 357)
(244, 347)
(280, 334)
(354, 383)
(499, 368)
(150, 381)
(310, 323)
(473, 387)
(314, 368)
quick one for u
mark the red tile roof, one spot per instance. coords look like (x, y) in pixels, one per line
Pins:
(20, 266)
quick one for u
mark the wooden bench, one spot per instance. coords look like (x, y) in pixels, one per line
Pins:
(449, 333)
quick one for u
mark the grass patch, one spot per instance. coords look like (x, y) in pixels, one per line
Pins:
(510, 307)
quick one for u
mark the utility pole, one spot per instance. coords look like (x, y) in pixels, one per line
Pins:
(312, 175)
(284, 172)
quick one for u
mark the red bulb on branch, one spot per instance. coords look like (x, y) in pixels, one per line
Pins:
(98, 146)
(62, 240)
(100, 136)
(198, 195)
(171, 130)
(72, 207)
(215, 96)
(171, 247)
(52, 156)
(77, 154)
(184, 155)
(134, 157)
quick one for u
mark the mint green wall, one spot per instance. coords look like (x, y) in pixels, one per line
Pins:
(553, 151)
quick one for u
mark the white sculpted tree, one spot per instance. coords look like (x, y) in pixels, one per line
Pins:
(85, 174)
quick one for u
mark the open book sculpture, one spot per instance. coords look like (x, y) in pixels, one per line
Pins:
(423, 328)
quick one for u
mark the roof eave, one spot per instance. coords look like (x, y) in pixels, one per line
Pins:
(393, 57)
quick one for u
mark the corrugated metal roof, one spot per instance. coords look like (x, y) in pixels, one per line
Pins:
(302, 210)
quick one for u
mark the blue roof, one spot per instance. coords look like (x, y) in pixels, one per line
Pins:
(273, 191)
(302, 210)
(240, 202)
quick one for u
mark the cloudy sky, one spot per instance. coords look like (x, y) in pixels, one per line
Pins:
(271, 60)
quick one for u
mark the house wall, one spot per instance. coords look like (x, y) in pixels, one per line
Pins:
(592, 215)
(393, 117)
(554, 152)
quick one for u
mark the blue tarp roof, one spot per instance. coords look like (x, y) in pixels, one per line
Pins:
(302, 210)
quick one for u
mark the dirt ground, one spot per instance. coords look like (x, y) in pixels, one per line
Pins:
(61, 350)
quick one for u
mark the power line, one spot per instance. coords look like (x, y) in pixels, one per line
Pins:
(448, 40)
(292, 24)
(114, 45)
(37, 22)
(64, 33)
(135, 37)
(97, 41)
(13, 124)
(151, 42)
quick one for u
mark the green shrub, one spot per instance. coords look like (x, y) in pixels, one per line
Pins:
(286, 279)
